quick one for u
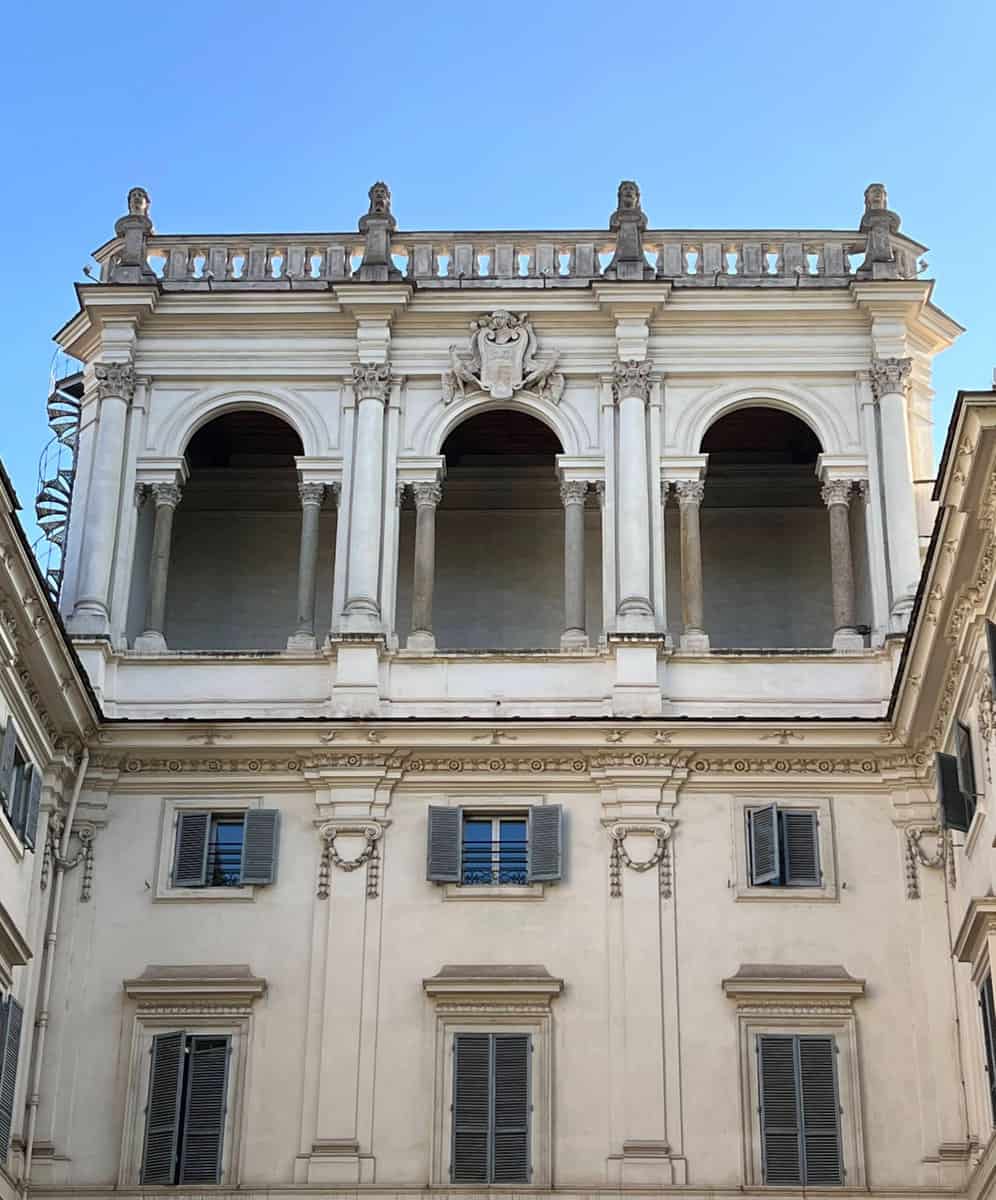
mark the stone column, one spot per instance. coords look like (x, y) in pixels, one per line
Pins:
(165, 496)
(690, 493)
(115, 387)
(371, 383)
(427, 497)
(837, 497)
(312, 495)
(890, 384)
(575, 635)
(631, 389)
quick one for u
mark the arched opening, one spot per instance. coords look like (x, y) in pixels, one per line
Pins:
(765, 535)
(233, 564)
(499, 549)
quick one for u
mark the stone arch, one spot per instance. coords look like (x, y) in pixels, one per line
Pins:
(442, 421)
(205, 406)
(827, 425)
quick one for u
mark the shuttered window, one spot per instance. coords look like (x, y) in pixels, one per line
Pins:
(226, 849)
(11, 1020)
(480, 848)
(20, 787)
(966, 768)
(800, 1110)
(185, 1112)
(491, 1108)
(783, 847)
(989, 1039)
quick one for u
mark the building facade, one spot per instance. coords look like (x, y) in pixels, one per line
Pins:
(517, 662)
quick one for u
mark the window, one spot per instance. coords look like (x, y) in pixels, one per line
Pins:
(11, 1019)
(501, 849)
(185, 1113)
(20, 787)
(989, 1038)
(783, 847)
(225, 849)
(966, 768)
(800, 1111)
(491, 1108)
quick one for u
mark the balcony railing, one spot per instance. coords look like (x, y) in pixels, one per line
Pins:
(504, 862)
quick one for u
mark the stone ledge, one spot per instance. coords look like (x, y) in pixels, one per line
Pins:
(784, 982)
(195, 985)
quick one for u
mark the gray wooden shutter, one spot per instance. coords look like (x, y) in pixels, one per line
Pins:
(781, 1146)
(800, 842)
(966, 767)
(10, 1048)
(190, 862)
(34, 803)
(204, 1111)
(162, 1110)
(7, 761)
(820, 1111)
(949, 793)
(443, 851)
(545, 843)
(763, 850)
(260, 837)
(510, 1155)
(991, 643)
(469, 1159)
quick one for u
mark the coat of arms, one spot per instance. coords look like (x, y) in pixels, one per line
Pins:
(502, 361)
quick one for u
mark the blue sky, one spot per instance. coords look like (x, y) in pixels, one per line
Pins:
(255, 117)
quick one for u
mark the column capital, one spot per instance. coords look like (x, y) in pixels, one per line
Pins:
(689, 491)
(890, 375)
(166, 495)
(837, 491)
(426, 493)
(631, 378)
(598, 487)
(372, 381)
(142, 493)
(665, 490)
(573, 491)
(311, 493)
(115, 379)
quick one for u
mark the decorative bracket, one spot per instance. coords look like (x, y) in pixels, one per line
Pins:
(661, 858)
(917, 857)
(372, 832)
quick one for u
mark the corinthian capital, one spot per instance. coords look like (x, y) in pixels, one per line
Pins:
(372, 381)
(890, 375)
(427, 494)
(311, 493)
(631, 378)
(837, 491)
(690, 491)
(573, 491)
(115, 379)
(166, 495)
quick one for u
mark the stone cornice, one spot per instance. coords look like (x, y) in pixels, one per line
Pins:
(775, 985)
(494, 984)
(179, 987)
(976, 926)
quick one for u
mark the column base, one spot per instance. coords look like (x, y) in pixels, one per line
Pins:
(302, 642)
(150, 642)
(89, 619)
(695, 641)
(421, 639)
(848, 640)
(899, 618)
(635, 614)
(361, 617)
(574, 639)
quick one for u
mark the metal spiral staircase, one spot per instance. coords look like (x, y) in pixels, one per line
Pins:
(57, 472)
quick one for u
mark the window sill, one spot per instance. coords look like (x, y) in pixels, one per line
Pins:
(785, 895)
(493, 891)
(222, 894)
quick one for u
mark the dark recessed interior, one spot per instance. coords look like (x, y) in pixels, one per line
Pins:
(503, 438)
(244, 439)
(760, 436)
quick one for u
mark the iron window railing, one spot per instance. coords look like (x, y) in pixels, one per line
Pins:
(495, 850)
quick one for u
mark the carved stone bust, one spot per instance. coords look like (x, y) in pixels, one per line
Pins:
(138, 202)
(878, 225)
(628, 206)
(628, 221)
(380, 207)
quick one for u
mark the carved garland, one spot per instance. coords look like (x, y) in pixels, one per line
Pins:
(916, 856)
(85, 834)
(330, 857)
(661, 858)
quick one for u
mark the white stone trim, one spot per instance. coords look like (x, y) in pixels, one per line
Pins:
(740, 875)
(172, 805)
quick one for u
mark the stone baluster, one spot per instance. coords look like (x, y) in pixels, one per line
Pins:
(575, 635)
(837, 497)
(165, 497)
(115, 387)
(690, 493)
(361, 614)
(890, 385)
(312, 495)
(427, 496)
(631, 390)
